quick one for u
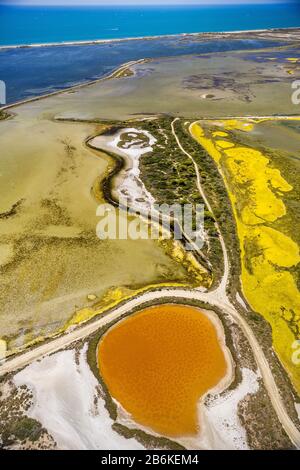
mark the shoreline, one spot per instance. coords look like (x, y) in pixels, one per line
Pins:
(209, 34)
(112, 74)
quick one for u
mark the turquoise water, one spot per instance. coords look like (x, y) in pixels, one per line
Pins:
(27, 25)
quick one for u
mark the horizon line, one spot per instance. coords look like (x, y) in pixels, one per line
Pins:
(118, 3)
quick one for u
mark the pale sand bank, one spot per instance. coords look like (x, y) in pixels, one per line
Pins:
(128, 183)
(207, 34)
(68, 404)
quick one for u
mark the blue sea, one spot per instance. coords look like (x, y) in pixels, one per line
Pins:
(29, 25)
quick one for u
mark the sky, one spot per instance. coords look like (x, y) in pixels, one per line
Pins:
(137, 2)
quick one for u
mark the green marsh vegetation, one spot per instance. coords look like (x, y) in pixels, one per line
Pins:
(170, 177)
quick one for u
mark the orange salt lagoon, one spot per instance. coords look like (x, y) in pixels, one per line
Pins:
(159, 362)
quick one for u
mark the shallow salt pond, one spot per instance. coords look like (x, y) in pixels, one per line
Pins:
(159, 362)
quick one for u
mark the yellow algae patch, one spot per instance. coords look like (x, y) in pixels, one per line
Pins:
(115, 295)
(255, 190)
(110, 300)
(293, 59)
(220, 134)
(206, 143)
(178, 252)
(224, 144)
(275, 295)
(235, 124)
(198, 274)
(159, 362)
(276, 247)
(253, 181)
